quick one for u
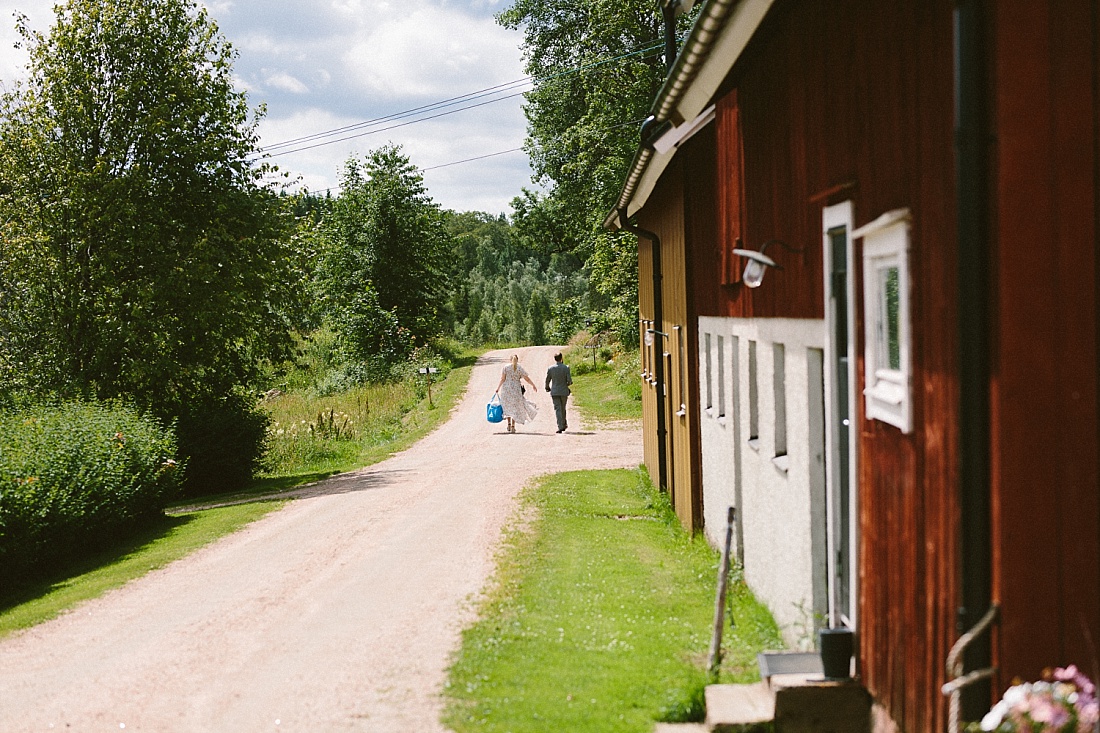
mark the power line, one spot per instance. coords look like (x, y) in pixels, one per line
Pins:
(391, 127)
(399, 115)
(498, 153)
(470, 160)
(295, 144)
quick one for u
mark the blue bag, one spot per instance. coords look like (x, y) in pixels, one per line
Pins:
(493, 411)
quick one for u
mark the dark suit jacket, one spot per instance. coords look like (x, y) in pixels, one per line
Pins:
(558, 380)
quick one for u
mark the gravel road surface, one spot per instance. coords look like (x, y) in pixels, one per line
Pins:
(336, 613)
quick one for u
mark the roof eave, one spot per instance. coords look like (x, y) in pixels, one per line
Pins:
(718, 38)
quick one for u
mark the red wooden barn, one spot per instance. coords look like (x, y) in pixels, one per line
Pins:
(911, 402)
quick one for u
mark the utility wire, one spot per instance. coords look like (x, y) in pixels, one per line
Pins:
(294, 145)
(496, 154)
(391, 127)
(399, 115)
(470, 160)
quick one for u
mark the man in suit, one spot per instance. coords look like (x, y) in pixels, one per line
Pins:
(558, 380)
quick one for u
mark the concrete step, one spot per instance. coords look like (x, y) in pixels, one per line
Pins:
(806, 703)
(739, 708)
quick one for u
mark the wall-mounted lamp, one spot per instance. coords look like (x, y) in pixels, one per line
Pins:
(758, 262)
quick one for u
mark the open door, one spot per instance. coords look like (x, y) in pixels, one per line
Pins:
(841, 387)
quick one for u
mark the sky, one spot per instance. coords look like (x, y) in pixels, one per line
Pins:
(321, 65)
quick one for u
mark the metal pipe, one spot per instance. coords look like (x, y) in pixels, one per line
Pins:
(957, 681)
(972, 204)
(668, 14)
(658, 363)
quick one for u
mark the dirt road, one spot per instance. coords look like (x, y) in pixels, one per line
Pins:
(336, 613)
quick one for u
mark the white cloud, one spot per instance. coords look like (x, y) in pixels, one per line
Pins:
(284, 81)
(433, 51)
(326, 64)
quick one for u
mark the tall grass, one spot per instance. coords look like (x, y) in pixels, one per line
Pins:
(311, 433)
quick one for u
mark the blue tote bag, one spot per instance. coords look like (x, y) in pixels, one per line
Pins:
(493, 411)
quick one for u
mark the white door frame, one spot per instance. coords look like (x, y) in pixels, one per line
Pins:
(833, 218)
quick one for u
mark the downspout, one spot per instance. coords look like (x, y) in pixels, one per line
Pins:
(972, 203)
(668, 14)
(659, 363)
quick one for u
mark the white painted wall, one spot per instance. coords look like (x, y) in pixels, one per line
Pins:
(780, 501)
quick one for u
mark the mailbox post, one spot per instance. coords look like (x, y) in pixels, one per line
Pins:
(428, 372)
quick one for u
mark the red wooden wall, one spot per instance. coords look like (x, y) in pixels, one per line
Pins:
(1046, 528)
(852, 99)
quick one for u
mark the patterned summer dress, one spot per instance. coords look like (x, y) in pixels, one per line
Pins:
(515, 405)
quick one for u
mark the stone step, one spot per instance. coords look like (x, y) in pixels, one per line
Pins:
(739, 708)
(806, 703)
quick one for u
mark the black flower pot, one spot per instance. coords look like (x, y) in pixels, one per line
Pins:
(836, 653)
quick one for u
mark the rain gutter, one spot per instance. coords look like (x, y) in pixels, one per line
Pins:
(717, 39)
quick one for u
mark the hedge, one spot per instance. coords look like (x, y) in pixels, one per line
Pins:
(77, 476)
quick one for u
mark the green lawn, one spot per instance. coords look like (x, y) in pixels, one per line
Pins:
(599, 618)
(606, 392)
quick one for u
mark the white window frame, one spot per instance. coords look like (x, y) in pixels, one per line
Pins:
(888, 392)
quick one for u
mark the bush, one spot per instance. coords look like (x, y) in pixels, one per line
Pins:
(76, 476)
(628, 370)
(223, 442)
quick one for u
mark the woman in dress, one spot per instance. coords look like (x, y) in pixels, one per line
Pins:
(516, 407)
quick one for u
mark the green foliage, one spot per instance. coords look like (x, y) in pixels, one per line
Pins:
(223, 437)
(568, 318)
(142, 255)
(381, 276)
(77, 475)
(506, 291)
(599, 617)
(314, 430)
(608, 389)
(597, 68)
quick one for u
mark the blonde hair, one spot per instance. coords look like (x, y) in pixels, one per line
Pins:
(515, 361)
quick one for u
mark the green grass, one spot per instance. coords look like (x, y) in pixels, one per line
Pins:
(599, 618)
(170, 540)
(601, 391)
(602, 400)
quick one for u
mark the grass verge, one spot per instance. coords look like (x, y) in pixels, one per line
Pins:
(599, 616)
(171, 539)
(606, 391)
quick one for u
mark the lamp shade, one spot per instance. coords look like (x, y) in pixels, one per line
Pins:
(756, 263)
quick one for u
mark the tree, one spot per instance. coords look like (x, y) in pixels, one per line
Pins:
(141, 255)
(384, 236)
(597, 65)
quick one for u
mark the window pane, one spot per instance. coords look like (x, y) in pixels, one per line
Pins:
(892, 318)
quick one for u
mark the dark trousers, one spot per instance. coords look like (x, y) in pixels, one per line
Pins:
(559, 410)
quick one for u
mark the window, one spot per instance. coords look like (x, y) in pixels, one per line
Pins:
(888, 389)
(754, 399)
(779, 387)
(721, 377)
(706, 341)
